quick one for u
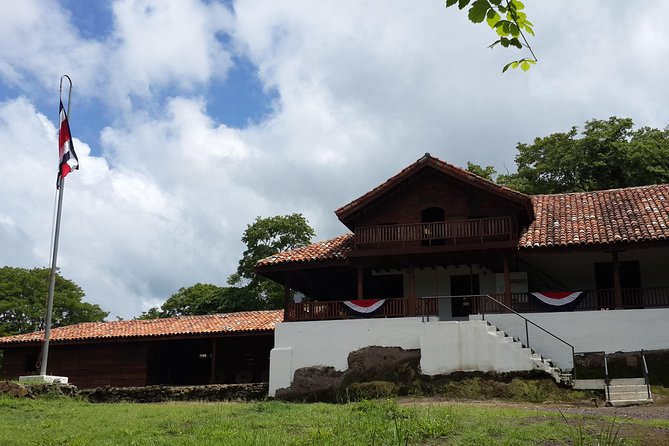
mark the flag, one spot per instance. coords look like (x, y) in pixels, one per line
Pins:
(557, 298)
(364, 307)
(66, 153)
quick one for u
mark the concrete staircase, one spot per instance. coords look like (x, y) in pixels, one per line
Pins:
(628, 392)
(477, 345)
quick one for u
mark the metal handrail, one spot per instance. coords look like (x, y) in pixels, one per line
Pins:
(646, 377)
(606, 377)
(527, 333)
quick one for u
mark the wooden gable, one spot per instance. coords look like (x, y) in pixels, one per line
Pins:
(432, 183)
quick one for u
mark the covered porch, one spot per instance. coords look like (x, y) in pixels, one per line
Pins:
(428, 306)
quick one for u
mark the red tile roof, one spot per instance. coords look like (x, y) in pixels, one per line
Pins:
(248, 321)
(337, 248)
(444, 167)
(633, 214)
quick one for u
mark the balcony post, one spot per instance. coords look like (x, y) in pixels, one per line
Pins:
(507, 282)
(617, 290)
(361, 288)
(412, 290)
(286, 296)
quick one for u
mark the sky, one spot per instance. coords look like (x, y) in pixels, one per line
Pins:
(192, 118)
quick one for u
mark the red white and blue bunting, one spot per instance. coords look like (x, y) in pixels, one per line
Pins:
(364, 307)
(557, 298)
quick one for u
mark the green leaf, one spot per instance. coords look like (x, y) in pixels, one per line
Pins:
(515, 42)
(504, 41)
(492, 18)
(519, 5)
(478, 11)
(450, 3)
(513, 30)
(492, 45)
(525, 65)
(506, 67)
(463, 3)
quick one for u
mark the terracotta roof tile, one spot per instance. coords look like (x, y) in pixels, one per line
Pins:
(248, 321)
(632, 214)
(333, 249)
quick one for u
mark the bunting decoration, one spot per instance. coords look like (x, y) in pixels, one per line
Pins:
(557, 298)
(364, 307)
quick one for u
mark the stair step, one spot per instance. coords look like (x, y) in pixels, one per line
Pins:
(618, 403)
(628, 388)
(627, 381)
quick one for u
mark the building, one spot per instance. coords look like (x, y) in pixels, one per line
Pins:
(189, 350)
(435, 249)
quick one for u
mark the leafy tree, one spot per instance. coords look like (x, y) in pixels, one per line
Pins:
(607, 154)
(507, 19)
(487, 172)
(264, 237)
(201, 299)
(23, 295)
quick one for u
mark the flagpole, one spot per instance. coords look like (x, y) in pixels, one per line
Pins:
(52, 276)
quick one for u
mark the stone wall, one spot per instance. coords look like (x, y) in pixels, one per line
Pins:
(156, 394)
(149, 394)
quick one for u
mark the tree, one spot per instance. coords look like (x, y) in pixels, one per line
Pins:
(507, 19)
(608, 154)
(201, 299)
(487, 172)
(264, 237)
(23, 295)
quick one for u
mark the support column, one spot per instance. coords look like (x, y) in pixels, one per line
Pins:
(412, 290)
(286, 297)
(361, 283)
(212, 375)
(617, 290)
(507, 282)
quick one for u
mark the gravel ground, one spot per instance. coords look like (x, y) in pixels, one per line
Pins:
(657, 411)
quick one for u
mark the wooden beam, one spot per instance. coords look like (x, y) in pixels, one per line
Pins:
(412, 290)
(617, 290)
(507, 282)
(212, 376)
(286, 296)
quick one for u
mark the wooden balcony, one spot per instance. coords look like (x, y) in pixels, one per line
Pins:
(657, 297)
(452, 232)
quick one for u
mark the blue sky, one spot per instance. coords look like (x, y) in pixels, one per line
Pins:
(191, 118)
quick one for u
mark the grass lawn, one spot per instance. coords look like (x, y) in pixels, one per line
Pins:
(63, 421)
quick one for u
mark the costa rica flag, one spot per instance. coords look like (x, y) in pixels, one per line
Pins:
(557, 298)
(68, 160)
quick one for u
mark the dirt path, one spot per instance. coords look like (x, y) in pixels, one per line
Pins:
(641, 434)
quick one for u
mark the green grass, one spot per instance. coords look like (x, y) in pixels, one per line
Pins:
(62, 421)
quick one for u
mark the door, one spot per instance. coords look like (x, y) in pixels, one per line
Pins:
(463, 285)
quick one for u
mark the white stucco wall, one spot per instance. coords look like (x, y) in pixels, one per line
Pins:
(467, 346)
(449, 346)
(328, 343)
(589, 331)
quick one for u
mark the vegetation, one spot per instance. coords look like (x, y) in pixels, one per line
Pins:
(264, 237)
(248, 291)
(23, 295)
(382, 422)
(507, 19)
(202, 299)
(608, 154)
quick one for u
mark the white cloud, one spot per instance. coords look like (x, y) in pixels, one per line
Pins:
(364, 88)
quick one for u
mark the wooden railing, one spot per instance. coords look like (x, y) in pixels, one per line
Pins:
(656, 297)
(327, 310)
(476, 230)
